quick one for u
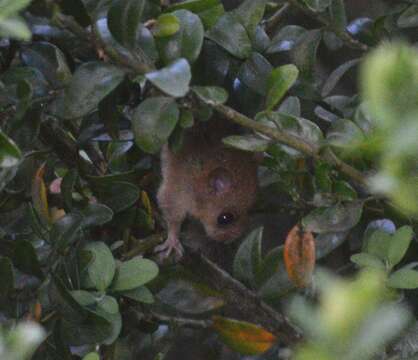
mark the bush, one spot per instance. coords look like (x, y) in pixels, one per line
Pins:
(89, 93)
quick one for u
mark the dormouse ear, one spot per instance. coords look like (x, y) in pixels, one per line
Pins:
(220, 180)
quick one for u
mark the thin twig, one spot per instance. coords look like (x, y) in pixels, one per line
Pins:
(341, 33)
(179, 321)
(292, 141)
(243, 299)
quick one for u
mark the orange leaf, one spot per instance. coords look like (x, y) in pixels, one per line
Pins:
(39, 195)
(299, 256)
(243, 337)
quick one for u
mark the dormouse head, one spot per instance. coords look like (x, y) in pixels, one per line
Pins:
(230, 196)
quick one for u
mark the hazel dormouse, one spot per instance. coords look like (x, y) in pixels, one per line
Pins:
(208, 181)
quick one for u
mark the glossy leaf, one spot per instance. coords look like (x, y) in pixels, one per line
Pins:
(336, 75)
(255, 72)
(388, 71)
(367, 260)
(10, 154)
(403, 279)
(279, 82)
(166, 25)
(140, 294)
(102, 269)
(243, 337)
(340, 217)
(229, 33)
(250, 13)
(153, 121)
(317, 5)
(123, 20)
(95, 215)
(173, 79)
(211, 94)
(304, 53)
(247, 142)
(399, 244)
(344, 134)
(286, 38)
(118, 196)
(26, 259)
(409, 17)
(299, 256)
(66, 230)
(49, 60)
(134, 273)
(89, 85)
(186, 42)
(247, 260)
(7, 276)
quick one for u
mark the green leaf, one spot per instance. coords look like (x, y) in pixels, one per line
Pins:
(7, 278)
(208, 10)
(173, 79)
(186, 119)
(123, 20)
(367, 260)
(118, 196)
(140, 294)
(166, 25)
(270, 265)
(14, 27)
(388, 71)
(187, 42)
(345, 134)
(66, 230)
(211, 94)
(49, 60)
(248, 142)
(250, 13)
(231, 35)
(10, 154)
(247, 260)
(297, 126)
(182, 294)
(399, 244)
(409, 17)
(317, 5)
(134, 273)
(290, 106)
(378, 244)
(26, 259)
(67, 188)
(254, 73)
(279, 82)
(11, 7)
(91, 356)
(304, 53)
(90, 84)
(340, 217)
(95, 215)
(102, 269)
(336, 75)
(153, 121)
(403, 279)
(338, 14)
(286, 38)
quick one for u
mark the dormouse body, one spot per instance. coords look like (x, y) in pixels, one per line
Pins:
(209, 181)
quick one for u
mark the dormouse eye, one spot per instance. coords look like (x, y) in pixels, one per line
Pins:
(225, 219)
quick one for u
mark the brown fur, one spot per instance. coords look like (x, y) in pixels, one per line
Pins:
(189, 176)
